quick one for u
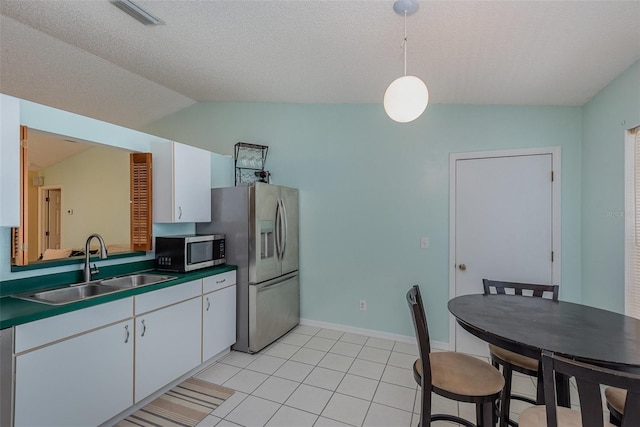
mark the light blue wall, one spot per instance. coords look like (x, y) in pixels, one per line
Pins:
(370, 188)
(605, 120)
(37, 116)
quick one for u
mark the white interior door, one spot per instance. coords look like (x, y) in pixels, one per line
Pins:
(503, 226)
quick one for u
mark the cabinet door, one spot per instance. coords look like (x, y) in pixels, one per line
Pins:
(218, 321)
(167, 345)
(9, 161)
(192, 184)
(81, 381)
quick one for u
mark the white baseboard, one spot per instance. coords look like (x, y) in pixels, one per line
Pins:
(438, 345)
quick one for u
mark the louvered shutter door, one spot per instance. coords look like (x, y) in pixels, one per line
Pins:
(141, 202)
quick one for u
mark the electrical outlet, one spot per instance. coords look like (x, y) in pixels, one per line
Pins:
(363, 305)
(424, 243)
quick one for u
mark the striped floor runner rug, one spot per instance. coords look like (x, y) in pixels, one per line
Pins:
(183, 406)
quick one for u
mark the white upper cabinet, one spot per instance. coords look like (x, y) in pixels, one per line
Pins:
(9, 161)
(181, 183)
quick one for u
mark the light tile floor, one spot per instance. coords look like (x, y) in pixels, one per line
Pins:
(320, 377)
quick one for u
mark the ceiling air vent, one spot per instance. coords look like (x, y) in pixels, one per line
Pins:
(136, 12)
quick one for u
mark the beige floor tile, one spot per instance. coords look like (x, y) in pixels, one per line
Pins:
(337, 362)
(355, 386)
(380, 343)
(282, 350)
(218, 373)
(226, 423)
(246, 381)
(276, 389)
(374, 354)
(308, 356)
(346, 349)
(294, 371)
(295, 339)
(291, 417)
(467, 411)
(346, 409)
(322, 344)
(238, 359)
(399, 376)
(309, 398)
(253, 411)
(395, 396)
(384, 416)
(209, 421)
(229, 404)
(324, 378)
(266, 364)
(402, 347)
(330, 333)
(354, 338)
(402, 360)
(326, 422)
(307, 330)
(367, 369)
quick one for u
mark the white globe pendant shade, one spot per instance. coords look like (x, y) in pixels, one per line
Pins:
(406, 98)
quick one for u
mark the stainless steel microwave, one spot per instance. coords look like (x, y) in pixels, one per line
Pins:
(189, 252)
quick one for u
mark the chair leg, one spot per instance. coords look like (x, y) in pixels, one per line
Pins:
(539, 387)
(484, 414)
(505, 397)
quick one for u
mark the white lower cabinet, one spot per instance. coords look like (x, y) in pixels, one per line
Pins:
(81, 381)
(218, 321)
(167, 345)
(84, 367)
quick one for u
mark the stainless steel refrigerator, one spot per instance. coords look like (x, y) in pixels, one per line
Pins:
(260, 223)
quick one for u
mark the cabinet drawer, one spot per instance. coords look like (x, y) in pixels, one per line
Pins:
(167, 296)
(219, 281)
(40, 332)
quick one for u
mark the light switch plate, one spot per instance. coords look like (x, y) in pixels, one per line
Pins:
(424, 243)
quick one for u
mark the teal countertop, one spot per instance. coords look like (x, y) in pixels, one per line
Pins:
(14, 311)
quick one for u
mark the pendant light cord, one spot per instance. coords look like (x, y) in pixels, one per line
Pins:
(404, 43)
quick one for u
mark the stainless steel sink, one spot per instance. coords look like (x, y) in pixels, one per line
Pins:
(83, 291)
(69, 294)
(134, 280)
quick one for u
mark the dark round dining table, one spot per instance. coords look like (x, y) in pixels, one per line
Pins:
(528, 325)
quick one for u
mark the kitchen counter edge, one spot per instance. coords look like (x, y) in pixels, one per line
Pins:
(14, 311)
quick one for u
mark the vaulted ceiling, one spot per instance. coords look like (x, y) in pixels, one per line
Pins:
(89, 57)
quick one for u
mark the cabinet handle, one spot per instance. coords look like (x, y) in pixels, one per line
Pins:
(179, 212)
(126, 328)
(221, 281)
(144, 328)
(208, 303)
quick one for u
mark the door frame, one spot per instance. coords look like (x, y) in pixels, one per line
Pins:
(41, 196)
(556, 162)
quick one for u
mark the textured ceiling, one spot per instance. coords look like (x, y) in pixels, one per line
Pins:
(89, 57)
(45, 149)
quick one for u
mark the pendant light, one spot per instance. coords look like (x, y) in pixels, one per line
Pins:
(407, 97)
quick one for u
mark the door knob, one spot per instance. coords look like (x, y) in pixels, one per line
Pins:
(462, 267)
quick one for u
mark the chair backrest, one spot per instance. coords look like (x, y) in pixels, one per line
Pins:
(520, 288)
(422, 333)
(588, 380)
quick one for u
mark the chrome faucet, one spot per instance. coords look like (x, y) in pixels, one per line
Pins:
(88, 271)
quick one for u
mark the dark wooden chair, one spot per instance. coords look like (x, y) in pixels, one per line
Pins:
(615, 403)
(453, 375)
(589, 378)
(509, 360)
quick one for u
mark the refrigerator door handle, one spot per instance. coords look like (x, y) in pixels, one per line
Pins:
(278, 222)
(274, 282)
(285, 228)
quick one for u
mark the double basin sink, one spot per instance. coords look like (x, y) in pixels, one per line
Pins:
(83, 291)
